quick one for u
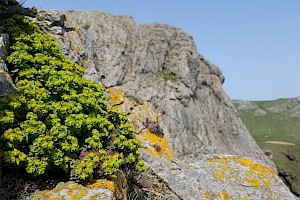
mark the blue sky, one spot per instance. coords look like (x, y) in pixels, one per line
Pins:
(256, 43)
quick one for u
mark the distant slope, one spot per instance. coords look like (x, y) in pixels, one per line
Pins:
(275, 125)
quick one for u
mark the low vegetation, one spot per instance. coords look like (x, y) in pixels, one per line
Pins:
(59, 122)
(166, 75)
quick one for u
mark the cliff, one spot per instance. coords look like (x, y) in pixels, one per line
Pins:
(160, 64)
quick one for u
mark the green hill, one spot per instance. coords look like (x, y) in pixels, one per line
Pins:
(275, 125)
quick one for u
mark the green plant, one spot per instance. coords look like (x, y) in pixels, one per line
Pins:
(134, 98)
(59, 120)
(166, 75)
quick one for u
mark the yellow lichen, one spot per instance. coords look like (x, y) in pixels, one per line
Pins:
(268, 183)
(153, 139)
(36, 197)
(255, 166)
(84, 63)
(244, 198)
(115, 96)
(73, 197)
(255, 175)
(254, 182)
(81, 193)
(206, 196)
(226, 196)
(79, 35)
(219, 175)
(102, 183)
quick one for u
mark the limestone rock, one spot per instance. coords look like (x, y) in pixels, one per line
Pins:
(160, 64)
(208, 177)
(216, 177)
(5, 79)
(74, 42)
(71, 190)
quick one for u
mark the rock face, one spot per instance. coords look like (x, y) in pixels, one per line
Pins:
(160, 64)
(209, 177)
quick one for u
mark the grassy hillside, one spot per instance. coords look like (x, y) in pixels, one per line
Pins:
(278, 121)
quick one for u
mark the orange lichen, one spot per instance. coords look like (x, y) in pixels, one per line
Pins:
(226, 196)
(268, 183)
(156, 118)
(206, 196)
(84, 63)
(223, 195)
(102, 183)
(255, 166)
(36, 197)
(153, 139)
(79, 35)
(254, 182)
(219, 175)
(115, 96)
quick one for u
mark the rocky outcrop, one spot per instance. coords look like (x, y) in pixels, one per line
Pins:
(160, 64)
(192, 101)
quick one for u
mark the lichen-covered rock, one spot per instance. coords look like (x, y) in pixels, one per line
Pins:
(139, 114)
(209, 177)
(160, 64)
(6, 85)
(101, 190)
(218, 177)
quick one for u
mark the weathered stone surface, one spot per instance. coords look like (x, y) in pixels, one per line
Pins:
(208, 177)
(160, 64)
(101, 190)
(218, 177)
(5, 83)
(75, 42)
